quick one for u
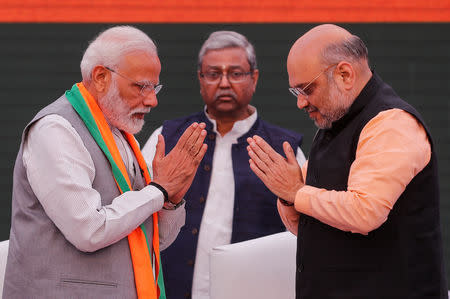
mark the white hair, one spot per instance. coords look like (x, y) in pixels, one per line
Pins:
(228, 39)
(111, 45)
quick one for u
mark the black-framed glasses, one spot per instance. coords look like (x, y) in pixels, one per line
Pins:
(296, 91)
(144, 88)
(214, 77)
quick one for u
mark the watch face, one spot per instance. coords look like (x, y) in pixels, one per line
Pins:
(168, 205)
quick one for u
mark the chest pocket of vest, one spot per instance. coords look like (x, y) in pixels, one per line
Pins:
(83, 283)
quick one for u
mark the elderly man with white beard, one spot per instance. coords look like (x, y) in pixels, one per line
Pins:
(87, 219)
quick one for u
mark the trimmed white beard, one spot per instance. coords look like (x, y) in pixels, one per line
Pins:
(118, 113)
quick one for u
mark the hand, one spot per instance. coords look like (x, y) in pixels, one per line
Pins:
(176, 170)
(282, 176)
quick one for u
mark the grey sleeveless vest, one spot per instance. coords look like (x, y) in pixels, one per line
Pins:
(41, 262)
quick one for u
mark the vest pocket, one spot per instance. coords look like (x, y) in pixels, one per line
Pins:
(82, 282)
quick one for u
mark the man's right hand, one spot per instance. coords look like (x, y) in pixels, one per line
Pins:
(176, 170)
(282, 176)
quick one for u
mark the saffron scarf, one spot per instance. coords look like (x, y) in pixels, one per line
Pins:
(142, 253)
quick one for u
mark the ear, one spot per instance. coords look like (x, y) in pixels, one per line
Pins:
(255, 77)
(344, 75)
(101, 78)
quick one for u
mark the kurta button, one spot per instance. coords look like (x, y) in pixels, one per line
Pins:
(190, 262)
(211, 136)
(207, 167)
(202, 199)
(194, 231)
(300, 268)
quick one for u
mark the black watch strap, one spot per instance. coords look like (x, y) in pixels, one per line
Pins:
(168, 205)
(161, 188)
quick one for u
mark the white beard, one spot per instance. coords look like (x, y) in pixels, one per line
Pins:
(118, 113)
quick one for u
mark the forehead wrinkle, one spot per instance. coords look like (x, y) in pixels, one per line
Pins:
(223, 67)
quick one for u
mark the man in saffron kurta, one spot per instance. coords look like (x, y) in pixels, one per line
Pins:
(366, 215)
(87, 220)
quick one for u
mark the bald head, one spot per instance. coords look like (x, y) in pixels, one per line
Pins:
(329, 66)
(326, 44)
(317, 39)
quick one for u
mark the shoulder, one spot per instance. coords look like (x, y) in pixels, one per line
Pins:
(51, 117)
(395, 119)
(396, 126)
(276, 135)
(184, 119)
(178, 125)
(53, 136)
(277, 131)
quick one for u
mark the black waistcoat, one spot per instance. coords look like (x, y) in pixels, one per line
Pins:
(254, 214)
(400, 259)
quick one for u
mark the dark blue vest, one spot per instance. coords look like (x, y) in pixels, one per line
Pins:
(402, 258)
(255, 213)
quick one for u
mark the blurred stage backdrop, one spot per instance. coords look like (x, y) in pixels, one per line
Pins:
(42, 42)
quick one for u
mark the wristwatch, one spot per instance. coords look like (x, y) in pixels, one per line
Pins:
(168, 205)
(285, 202)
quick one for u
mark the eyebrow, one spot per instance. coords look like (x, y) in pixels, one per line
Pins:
(146, 82)
(311, 86)
(228, 67)
(302, 85)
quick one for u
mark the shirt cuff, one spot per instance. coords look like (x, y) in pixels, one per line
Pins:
(155, 194)
(303, 199)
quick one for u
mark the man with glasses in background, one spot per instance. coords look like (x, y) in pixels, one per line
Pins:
(226, 203)
(87, 221)
(365, 207)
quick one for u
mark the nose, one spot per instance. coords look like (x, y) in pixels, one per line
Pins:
(224, 83)
(301, 101)
(150, 100)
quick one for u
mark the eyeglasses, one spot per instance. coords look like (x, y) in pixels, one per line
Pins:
(214, 77)
(144, 88)
(296, 91)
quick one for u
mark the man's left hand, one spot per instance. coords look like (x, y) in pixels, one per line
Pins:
(281, 175)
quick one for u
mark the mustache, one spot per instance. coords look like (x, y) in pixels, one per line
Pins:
(228, 93)
(140, 110)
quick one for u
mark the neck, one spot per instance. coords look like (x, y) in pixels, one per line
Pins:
(95, 95)
(224, 126)
(364, 76)
(226, 122)
(89, 87)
